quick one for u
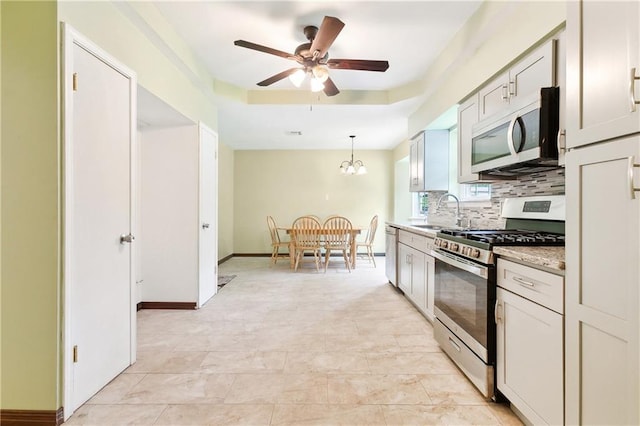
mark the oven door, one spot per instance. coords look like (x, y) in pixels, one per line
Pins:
(464, 296)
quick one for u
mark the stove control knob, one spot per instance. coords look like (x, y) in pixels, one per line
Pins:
(465, 251)
(474, 253)
(453, 247)
(444, 244)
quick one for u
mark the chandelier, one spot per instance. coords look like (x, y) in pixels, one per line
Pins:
(350, 167)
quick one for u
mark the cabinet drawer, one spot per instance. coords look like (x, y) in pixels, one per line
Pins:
(538, 286)
(418, 242)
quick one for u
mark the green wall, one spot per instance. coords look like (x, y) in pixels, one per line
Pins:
(30, 206)
(287, 184)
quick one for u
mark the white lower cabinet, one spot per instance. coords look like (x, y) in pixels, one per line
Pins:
(530, 339)
(603, 275)
(416, 271)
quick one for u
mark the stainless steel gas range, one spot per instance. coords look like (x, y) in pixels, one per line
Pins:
(465, 281)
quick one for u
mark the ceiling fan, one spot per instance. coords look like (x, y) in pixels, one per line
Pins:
(314, 58)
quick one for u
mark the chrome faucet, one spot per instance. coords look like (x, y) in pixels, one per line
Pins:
(443, 197)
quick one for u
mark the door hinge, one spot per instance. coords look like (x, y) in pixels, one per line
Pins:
(75, 353)
(75, 81)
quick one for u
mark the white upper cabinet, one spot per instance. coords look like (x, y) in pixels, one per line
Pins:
(603, 68)
(494, 96)
(429, 161)
(467, 117)
(536, 70)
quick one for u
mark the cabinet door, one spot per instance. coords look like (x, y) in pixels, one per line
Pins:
(404, 268)
(416, 163)
(602, 52)
(467, 117)
(529, 358)
(536, 70)
(494, 96)
(430, 275)
(602, 299)
(419, 280)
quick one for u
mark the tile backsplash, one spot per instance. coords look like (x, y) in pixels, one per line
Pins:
(487, 214)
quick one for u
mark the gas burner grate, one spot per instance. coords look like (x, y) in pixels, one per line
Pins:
(507, 237)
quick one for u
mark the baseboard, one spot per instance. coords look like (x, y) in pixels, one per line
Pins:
(251, 255)
(224, 259)
(31, 417)
(166, 305)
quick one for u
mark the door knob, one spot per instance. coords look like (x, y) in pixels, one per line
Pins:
(205, 225)
(126, 238)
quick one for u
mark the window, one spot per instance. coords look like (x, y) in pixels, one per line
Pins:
(475, 192)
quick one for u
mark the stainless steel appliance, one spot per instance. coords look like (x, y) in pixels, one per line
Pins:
(465, 281)
(519, 141)
(391, 246)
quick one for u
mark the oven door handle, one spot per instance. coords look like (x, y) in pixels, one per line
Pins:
(453, 260)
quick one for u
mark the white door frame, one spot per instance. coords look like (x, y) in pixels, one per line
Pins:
(70, 38)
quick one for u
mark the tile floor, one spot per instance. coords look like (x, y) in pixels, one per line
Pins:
(275, 347)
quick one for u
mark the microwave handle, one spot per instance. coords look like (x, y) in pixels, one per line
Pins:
(512, 124)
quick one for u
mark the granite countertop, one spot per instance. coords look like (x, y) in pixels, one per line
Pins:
(546, 257)
(551, 257)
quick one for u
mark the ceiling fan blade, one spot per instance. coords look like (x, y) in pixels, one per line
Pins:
(330, 88)
(329, 30)
(265, 49)
(358, 64)
(278, 77)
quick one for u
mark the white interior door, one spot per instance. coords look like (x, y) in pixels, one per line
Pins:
(208, 241)
(100, 316)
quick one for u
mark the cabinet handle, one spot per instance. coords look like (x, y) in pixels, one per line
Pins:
(505, 92)
(561, 136)
(522, 281)
(632, 165)
(454, 344)
(512, 88)
(496, 316)
(632, 90)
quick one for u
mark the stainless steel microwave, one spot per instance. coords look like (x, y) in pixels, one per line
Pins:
(521, 141)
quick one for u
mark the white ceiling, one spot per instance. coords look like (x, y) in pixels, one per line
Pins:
(409, 35)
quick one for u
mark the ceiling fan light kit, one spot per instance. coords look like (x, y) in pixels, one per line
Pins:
(297, 77)
(350, 167)
(316, 85)
(314, 58)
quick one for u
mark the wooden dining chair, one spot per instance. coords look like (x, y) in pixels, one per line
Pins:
(368, 240)
(337, 234)
(306, 237)
(276, 242)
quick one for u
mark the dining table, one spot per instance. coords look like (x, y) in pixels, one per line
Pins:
(352, 244)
